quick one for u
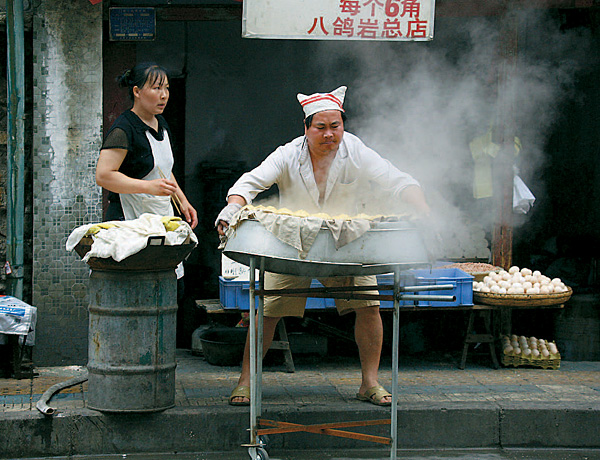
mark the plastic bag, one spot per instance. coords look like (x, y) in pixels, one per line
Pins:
(523, 199)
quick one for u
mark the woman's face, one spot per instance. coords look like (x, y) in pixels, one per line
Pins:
(153, 96)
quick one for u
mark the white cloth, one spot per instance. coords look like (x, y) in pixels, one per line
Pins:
(129, 237)
(319, 102)
(300, 232)
(523, 199)
(355, 166)
(227, 213)
(346, 231)
(136, 204)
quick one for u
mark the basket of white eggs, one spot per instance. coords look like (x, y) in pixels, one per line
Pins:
(520, 287)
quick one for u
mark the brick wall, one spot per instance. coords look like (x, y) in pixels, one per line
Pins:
(67, 123)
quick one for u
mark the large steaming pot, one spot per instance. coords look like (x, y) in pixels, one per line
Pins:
(385, 246)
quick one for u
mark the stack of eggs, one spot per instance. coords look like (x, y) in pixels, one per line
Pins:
(519, 281)
(521, 350)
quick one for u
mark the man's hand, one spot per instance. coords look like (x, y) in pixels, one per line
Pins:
(431, 231)
(225, 217)
(413, 196)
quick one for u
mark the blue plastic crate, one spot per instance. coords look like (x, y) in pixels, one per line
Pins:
(236, 295)
(462, 282)
(388, 279)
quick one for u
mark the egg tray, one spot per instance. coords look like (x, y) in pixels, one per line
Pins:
(551, 362)
(522, 300)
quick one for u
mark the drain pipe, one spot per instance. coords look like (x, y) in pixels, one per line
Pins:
(15, 193)
(43, 403)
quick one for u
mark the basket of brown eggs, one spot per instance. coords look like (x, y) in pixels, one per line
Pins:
(520, 287)
(529, 351)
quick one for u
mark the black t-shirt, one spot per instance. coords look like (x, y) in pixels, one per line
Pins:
(128, 132)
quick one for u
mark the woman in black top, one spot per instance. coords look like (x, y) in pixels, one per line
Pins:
(136, 158)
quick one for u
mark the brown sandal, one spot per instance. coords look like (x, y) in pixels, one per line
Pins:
(241, 391)
(374, 395)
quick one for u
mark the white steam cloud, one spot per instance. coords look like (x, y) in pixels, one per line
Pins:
(421, 104)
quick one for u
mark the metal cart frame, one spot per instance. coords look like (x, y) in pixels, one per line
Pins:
(257, 445)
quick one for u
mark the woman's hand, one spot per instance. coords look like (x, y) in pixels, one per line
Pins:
(189, 213)
(160, 187)
(109, 177)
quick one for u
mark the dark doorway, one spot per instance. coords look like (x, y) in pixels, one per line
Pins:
(175, 115)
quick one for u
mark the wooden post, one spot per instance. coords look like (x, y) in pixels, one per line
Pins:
(504, 134)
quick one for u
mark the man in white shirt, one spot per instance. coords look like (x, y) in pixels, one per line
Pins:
(326, 170)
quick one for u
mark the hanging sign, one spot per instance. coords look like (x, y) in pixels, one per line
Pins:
(133, 24)
(393, 20)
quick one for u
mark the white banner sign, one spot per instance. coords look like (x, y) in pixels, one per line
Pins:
(393, 20)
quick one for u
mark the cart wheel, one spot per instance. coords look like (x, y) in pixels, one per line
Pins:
(261, 454)
(258, 453)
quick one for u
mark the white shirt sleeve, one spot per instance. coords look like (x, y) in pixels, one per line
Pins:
(262, 177)
(376, 168)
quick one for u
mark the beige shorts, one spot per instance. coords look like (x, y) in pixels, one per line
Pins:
(276, 306)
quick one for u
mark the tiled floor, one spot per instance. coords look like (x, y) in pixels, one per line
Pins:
(321, 380)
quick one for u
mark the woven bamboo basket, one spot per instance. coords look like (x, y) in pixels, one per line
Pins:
(522, 300)
(465, 267)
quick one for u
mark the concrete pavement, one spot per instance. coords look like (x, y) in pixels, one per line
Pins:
(439, 406)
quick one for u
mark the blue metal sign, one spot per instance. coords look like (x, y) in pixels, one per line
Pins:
(133, 24)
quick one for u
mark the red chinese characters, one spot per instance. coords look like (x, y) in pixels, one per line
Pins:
(412, 8)
(374, 4)
(367, 28)
(343, 27)
(350, 6)
(417, 29)
(391, 29)
(321, 25)
(374, 19)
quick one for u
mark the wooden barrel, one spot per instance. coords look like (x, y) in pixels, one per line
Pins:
(132, 340)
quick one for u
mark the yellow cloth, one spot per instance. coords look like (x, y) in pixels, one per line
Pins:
(97, 227)
(483, 151)
(171, 223)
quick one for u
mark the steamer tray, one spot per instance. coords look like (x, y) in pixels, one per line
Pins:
(522, 300)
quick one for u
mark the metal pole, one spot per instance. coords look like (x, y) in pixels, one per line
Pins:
(251, 318)
(395, 345)
(259, 342)
(15, 193)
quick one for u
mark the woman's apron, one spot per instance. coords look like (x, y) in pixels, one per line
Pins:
(136, 204)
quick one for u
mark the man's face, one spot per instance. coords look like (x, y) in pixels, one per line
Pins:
(325, 132)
